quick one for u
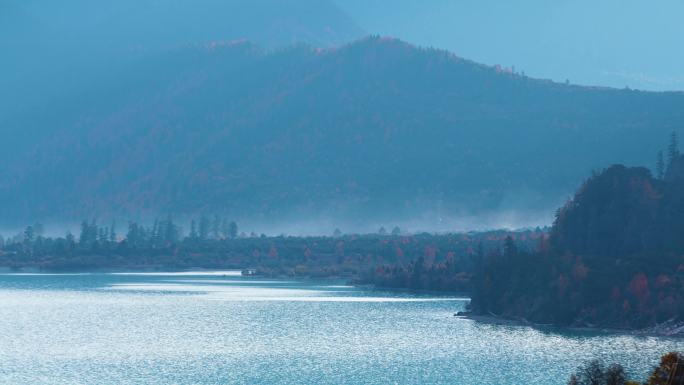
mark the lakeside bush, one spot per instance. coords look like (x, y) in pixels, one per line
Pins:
(670, 371)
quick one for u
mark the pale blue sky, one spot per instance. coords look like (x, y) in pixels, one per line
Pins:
(617, 43)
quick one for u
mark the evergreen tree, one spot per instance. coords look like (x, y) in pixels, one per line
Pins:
(112, 232)
(510, 249)
(133, 236)
(216, 227)
(103, 236)
(88, 233)
(673, 149)
(92, 231)
(171, 232)
(155, 234)
(204, 228)
(396, 231)
(71, 241)
(29, 234)
(660, 166)
(232, 230)
(225, 230)
(193, 230)
(83, 237)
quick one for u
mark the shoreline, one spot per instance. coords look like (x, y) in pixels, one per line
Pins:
(660, 331)
(665, 330)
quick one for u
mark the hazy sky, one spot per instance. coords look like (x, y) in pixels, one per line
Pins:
(617, 43)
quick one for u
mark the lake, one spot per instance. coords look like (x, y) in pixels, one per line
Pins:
(221, 328)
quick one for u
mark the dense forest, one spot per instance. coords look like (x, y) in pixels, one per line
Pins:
(216, 243)
(614, 257)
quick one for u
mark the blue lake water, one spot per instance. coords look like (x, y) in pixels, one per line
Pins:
(220, 328)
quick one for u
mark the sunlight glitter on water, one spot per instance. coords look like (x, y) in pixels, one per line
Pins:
(112, 329)
(227, 273)
(250, 293)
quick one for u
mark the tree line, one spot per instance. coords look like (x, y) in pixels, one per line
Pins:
(216, 244)
(95, 238)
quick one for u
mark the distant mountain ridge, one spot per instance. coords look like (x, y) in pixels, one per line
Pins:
(57, 48)
(374, 129)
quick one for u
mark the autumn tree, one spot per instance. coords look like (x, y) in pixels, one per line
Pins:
(595, 373)
(670, 370)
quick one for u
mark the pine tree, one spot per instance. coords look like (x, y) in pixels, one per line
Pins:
(204, 228)
(155, 233)
(216, 227)
(170, 231)
(225, 231)
(112, 232)
(193, 230)
(103, 235)
(673, 149)
(232, 230)
(71, 241)
(84, 237)
(29, 234)
(660, 166)
(510, 249)
(133, 236)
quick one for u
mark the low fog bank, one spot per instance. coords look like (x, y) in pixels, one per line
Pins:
(429, 221)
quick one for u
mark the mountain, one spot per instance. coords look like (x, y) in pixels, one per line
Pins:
(378, 130)
(56, 48)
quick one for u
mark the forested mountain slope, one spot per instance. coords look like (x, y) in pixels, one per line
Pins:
(374, 129)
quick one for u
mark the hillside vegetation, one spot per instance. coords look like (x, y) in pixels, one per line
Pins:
(374, 129)
(615, 257)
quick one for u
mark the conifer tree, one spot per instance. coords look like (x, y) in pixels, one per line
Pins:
(216, 227)
(193, 230)
(672, 149)
(232, 230)
(660, 166)
(204, 228)
(112, 232)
